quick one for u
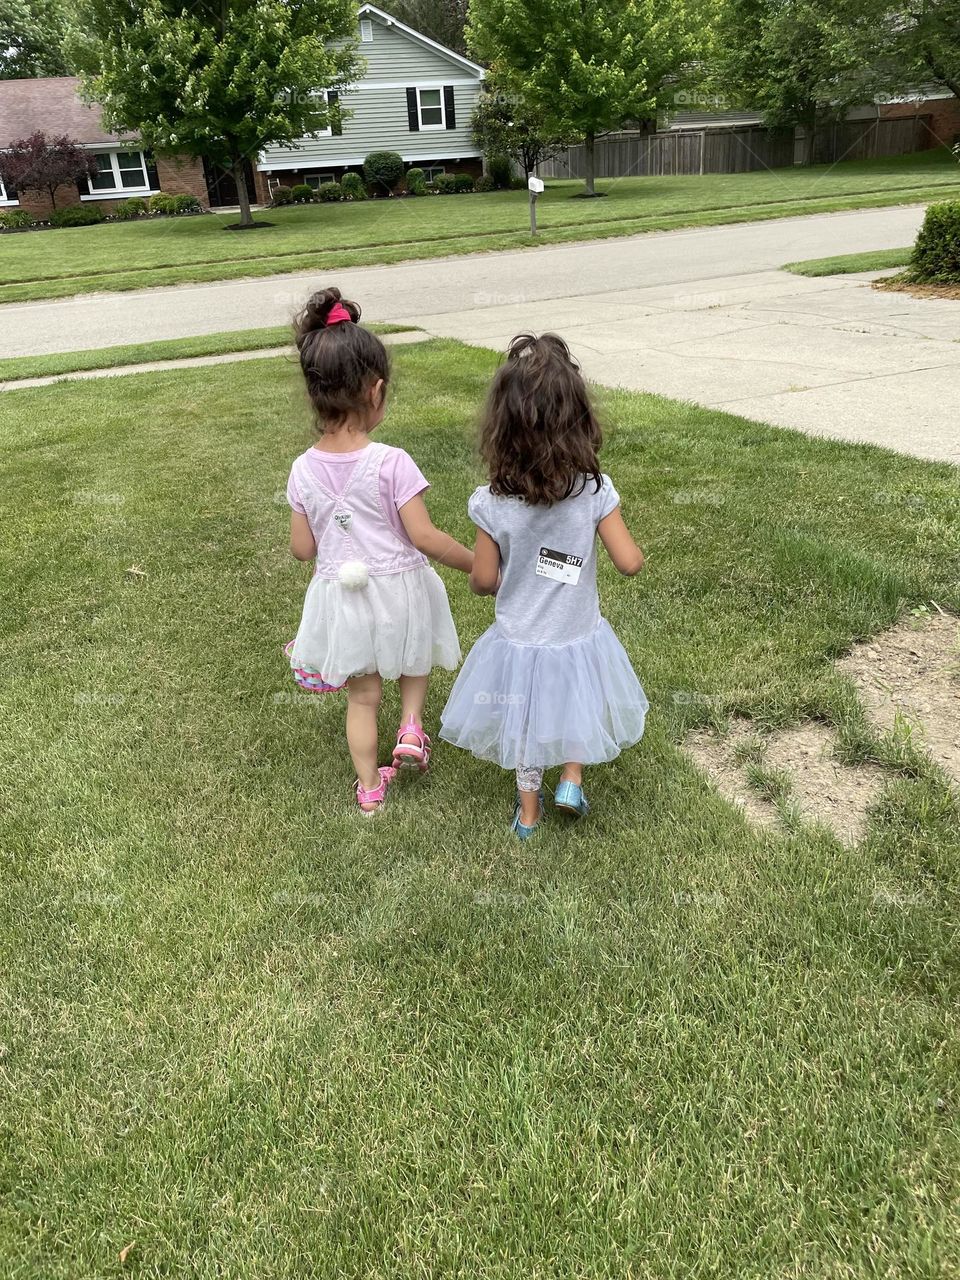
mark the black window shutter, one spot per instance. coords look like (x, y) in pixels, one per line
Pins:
(333, 101)
(448, 108)
(413, 115)
(153, 181)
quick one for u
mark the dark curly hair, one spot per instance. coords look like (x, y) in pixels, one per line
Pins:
(340, 361)
(539, 435)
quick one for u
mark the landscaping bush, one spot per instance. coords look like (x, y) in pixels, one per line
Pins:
(936, 254)
(383, 169)
(463, 182)
(283, 195)
(500, 170)
(416, 182)
(128, 209)
(446, 183)
(76, 215)
(353, 187)
(484, 183)
(302, 193)
(186, 204)
(14, 219)
(162, 202)
(330, 191)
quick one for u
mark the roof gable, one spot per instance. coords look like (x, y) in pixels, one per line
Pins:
(456, 59)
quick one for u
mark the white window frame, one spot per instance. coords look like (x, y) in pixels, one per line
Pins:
(119, 192)
(5, 203)
(431, 88)
(366, 31)
(316, 180)
(432, 171)
(328, 131)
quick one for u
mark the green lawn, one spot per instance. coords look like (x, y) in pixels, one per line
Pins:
(845, 263)
(170, 251)
(255, 1037)
(210, 344)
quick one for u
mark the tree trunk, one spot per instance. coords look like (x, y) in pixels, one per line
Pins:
(589, 143)
(52, 193)
(810, 140)
(243, 196)
(941, 74)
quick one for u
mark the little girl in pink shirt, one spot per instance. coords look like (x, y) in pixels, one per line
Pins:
(375, 609)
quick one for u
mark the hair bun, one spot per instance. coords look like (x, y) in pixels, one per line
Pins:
(316, 312)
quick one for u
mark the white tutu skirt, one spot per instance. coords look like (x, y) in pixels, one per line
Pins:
(543, 705)
(399, 624)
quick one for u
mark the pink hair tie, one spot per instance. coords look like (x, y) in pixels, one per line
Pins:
(337, 314)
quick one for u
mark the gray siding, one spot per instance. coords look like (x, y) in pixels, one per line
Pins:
(379, 106)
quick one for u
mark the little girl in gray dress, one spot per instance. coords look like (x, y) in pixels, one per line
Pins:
(549, 683)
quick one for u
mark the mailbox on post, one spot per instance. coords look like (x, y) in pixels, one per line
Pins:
(534, 186)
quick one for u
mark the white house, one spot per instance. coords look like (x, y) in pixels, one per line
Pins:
(416, 97)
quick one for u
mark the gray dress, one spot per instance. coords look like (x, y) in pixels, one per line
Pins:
(549, 683)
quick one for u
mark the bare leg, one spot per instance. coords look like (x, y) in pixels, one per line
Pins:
(363, 703)
(413, 694)
(572, 773)
(529, 782)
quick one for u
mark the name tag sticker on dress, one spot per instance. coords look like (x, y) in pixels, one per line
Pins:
(343, 520)
(559, 566)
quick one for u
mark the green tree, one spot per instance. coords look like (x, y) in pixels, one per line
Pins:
(31, 39)
(917, 44)
(505, 123)
(443, 20)
(218, 78)
(798, 62)
(589, 66)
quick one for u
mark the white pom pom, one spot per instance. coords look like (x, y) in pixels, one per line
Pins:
(354, 575)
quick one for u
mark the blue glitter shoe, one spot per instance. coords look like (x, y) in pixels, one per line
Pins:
(570, 798)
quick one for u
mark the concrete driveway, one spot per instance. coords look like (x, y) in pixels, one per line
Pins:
(702, 315)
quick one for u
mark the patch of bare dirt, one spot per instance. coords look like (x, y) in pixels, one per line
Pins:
(912, 672)
(908, 676)
(893, 284)
(716, 756)
(821, 787)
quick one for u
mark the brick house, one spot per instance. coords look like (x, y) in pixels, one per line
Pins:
(52, 105)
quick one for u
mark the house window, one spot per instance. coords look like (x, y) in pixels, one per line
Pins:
(118, 173)
(430, 106)
(366, 31)
(432, 172)
(317, 180)
(7, 197)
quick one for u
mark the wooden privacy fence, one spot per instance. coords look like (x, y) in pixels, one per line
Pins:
(738, 149)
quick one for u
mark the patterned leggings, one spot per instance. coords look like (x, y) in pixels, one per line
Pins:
(529, 778)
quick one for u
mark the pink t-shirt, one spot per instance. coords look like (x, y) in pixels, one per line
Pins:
(400, 480)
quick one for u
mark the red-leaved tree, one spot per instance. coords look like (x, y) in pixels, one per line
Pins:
(39, 163)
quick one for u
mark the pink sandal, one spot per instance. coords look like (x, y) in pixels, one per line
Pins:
(377, 795)
(412, 753)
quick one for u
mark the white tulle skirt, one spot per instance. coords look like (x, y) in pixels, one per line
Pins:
(543, 705)
(399, 624)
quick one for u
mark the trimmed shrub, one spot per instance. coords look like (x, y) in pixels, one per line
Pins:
(186, 204)
(76, 215)
(14, 219)
(283, 195)
(162, 202)
(936, 254)
(484, 183)
(302, 193)
(127, 209)
(416, 182)
(330, 191)
(463, 182)
(446, 183)
(500, 170)
(383, 169)
(353, 187)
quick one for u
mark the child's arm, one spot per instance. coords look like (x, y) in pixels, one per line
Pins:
(485, 577)
(621, 548)
(302, 544)
(433, 542)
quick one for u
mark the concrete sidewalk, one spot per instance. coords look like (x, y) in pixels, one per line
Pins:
(702, 315)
